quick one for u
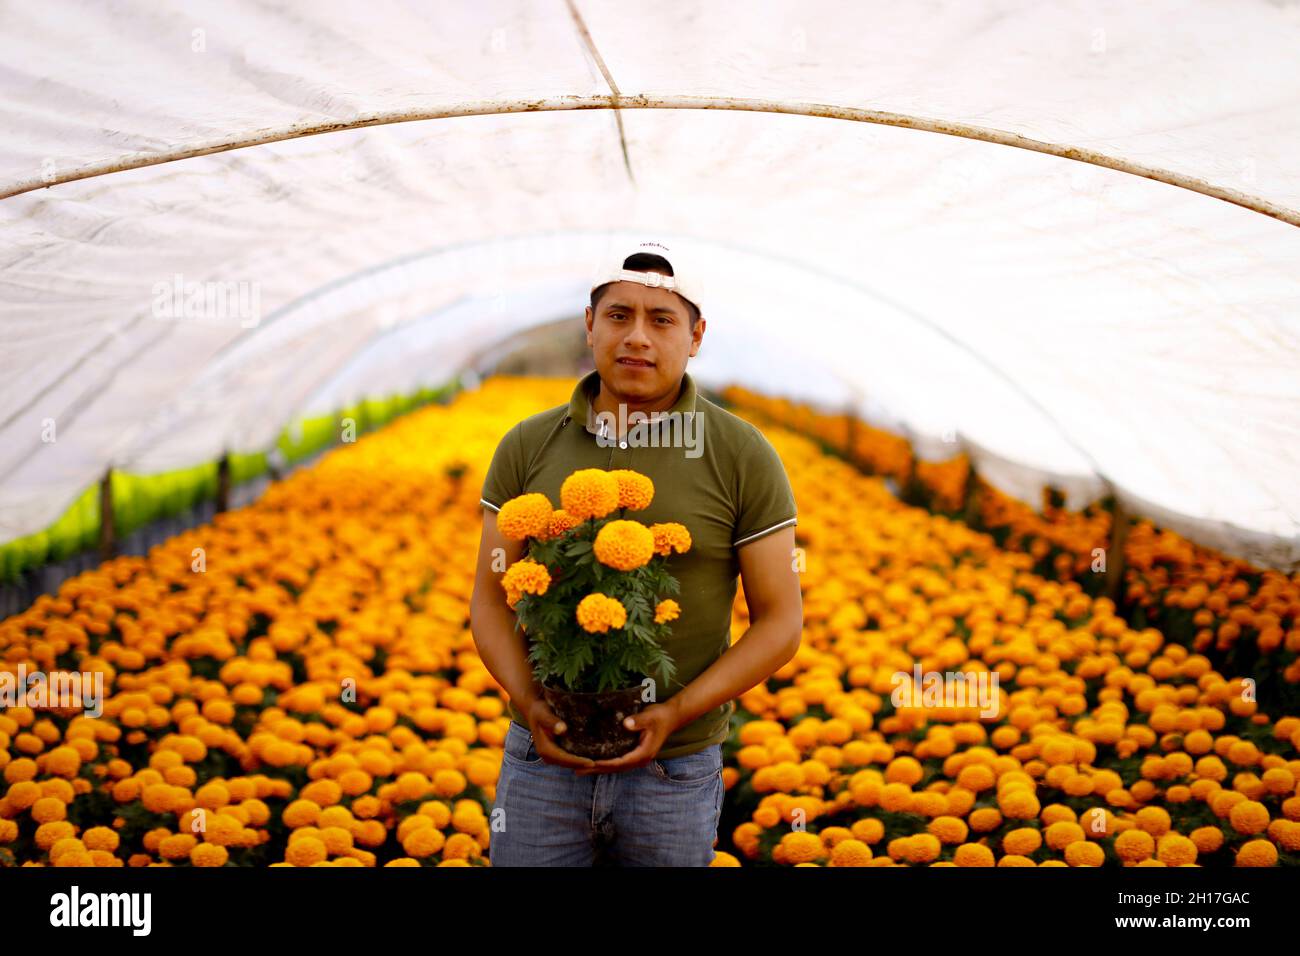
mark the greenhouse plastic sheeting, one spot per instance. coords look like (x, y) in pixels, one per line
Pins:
(1128, 325)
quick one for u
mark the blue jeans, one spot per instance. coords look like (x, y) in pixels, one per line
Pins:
(665, 813)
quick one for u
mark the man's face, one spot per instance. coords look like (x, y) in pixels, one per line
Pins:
(640, 339)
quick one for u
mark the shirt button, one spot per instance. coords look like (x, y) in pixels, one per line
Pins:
(622, 444)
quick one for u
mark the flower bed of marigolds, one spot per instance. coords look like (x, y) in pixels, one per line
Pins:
(295, 684)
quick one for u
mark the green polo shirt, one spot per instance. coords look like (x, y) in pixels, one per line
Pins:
(723, 480)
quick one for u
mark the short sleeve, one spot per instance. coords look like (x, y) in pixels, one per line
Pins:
(505, 475)
(766, 499)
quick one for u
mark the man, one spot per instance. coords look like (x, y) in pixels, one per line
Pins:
(660, 804)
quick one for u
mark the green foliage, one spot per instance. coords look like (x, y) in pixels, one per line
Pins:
(567, 657)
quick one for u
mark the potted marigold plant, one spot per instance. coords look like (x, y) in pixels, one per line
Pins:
(590, 595)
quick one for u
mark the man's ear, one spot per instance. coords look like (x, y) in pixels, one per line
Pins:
(697, 336)
(590, 343)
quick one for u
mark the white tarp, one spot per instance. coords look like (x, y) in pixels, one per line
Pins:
(1063, 321)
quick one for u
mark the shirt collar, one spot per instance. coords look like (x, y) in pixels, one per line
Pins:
(588, 386)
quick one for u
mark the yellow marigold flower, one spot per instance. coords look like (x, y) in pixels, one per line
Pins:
(948, 829)
(47, 834)
(906, 770)
(767, 817)
(209, 854)
(323, 792)
(461, 846)
(65, 845)
(597, 613)
(1083, 853)
(424, 841)
(337, 840)
(48, 810)
(1134, 845)
(1286, 833)
(896, 797)
(101, 838)
(308, 851)
(437, 811)
(177, 846)
(1062, 833)
(1174, 849)
(561, 521)
(923, 848)
(802, 847)
(355, 782)
(589, 493)
(301, 813)
(223, 829)
(850, 852)
(1022, 841)
(985, 819)
(525, 576)
(635, 490)
(976, 777)
(1019, 804)
(64, 761)
(667, 610)
(527, 516)
(973, 854)
(1257, 853)
(1249, 817)
(449, 783)
(1207, 839)
(724, 859)
(670, 536)
(23, 794)
(1155, 820)
(625, 545)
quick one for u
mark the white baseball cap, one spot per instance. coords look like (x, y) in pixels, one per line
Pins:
(684, 281)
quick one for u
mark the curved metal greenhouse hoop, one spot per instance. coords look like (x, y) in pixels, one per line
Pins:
(617, 102)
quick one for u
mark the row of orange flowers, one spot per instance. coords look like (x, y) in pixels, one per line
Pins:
(296, 684)
(1207, 599)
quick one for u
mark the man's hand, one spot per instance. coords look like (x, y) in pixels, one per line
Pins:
(546, 726)
(655, 722)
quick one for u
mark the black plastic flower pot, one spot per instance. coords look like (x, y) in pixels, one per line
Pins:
(594, 721)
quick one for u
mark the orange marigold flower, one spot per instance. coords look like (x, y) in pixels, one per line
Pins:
(670, 536)
(625, 545)
(973, 854)
(850, 852)
(48, 810)
(1174, 849)
(667, 610)
(1257, 853)
(1249, 817)
(1021, 841)
(802, 847)
(589, 493)
(635, 490)
(305, 852)
(1134, 846)
(597, 613)
(525, 576)
(561, 521)
(209, 854)
(527, 516)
